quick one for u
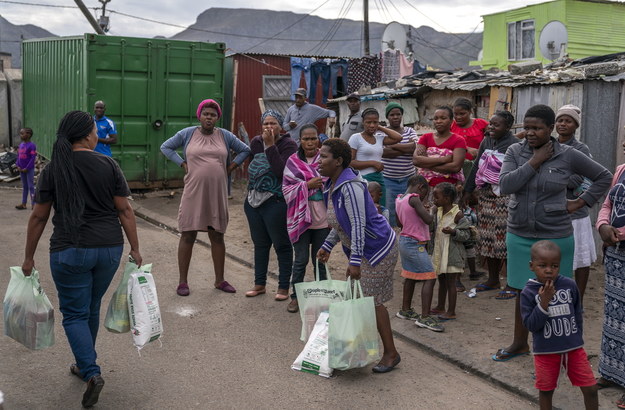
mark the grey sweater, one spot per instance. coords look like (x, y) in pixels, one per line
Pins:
(576, 180)
(537, 207)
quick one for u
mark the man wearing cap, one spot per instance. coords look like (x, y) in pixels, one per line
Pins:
(302, 113)
(107, 134)
(353, 124)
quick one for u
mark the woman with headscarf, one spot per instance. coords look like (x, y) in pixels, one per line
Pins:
(265, 207)
(204, 203)
(568, 120)
(397, 158)
(89, 195)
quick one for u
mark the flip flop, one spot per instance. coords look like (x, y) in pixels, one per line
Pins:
(503, 356)
(436, 312)
(480, 287)
(183, 289)
(505, 295)
(620, 403)
(226, 287)
(445, 318)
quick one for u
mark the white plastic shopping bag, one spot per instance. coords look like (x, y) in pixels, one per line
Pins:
(353, 339)
(314, 358)
(315, 297)
(117, 318)
(145, 313)
(28, 313)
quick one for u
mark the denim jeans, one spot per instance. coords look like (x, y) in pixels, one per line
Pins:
(81, 277)
(394, 187)
(268, 227)
(306, 248)
(299, 65)
(319, 69)
(334, 73)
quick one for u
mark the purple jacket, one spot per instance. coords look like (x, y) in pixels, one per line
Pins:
(26, 155)
(370, 234)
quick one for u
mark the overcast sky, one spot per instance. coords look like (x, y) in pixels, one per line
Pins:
(447, 15)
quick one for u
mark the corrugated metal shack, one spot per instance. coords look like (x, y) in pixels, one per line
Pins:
(595, 84)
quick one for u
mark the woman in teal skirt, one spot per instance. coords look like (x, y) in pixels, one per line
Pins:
(535, 174)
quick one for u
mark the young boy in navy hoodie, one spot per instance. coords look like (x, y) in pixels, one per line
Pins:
(551, 309)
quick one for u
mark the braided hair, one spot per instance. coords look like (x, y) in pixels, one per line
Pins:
(506, 116)
(74, 126)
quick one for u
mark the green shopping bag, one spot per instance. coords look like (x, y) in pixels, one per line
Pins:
(117, 319)
(315, 297)
(28, 313)
(353, 335)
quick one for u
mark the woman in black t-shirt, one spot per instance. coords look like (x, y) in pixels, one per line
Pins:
(89, 195)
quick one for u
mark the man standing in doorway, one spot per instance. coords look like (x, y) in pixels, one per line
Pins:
(353, 124)
(107, 134)
(302, 113)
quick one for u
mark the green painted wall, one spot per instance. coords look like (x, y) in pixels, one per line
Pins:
(594, 28)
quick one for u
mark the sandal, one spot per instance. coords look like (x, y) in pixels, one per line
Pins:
(21, 206)
(506, 294)
(183, 289)
(620, 403)
(226, 287)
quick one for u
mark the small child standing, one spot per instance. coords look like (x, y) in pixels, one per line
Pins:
(414, 220)
(26, 157)
(551, 309)
(375, 190)
(452, 230)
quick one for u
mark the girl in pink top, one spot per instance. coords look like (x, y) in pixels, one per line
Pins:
(414, 220)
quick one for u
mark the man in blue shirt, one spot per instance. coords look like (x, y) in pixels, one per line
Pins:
(107, 134)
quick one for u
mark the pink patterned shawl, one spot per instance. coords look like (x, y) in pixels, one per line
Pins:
(296, 193)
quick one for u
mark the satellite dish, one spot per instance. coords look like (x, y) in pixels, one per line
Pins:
(394, 37)
(553, 40)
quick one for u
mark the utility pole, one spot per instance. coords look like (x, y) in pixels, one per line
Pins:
(89, 17)
(366, 26)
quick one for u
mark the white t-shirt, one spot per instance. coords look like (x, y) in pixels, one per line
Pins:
(366, 151)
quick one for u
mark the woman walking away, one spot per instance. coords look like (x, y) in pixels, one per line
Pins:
(306, 219)
(452, 230)
(87, 242)
(367, 238)
(568, 119)
(204, 204)
(414, 219)
(397, 158)
(535, 173)
(368, 146)
(265, 207)
(439, 156)
(492, 206)
(26, 157)
(611, 226)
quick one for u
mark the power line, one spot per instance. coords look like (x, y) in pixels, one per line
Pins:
(335, 28)
(38, 4)
(288, 27)
(433, 21)
(327, 35)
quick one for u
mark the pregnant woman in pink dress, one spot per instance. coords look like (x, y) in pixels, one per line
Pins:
(204, 203)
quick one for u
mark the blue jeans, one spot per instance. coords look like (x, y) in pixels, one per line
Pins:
(309, 242)
(299, 65)
(319, 69)
(268, 227)
(394, 187)
(81, 277)
(334, 73)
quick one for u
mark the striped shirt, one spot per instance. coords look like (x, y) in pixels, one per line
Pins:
(401, 167)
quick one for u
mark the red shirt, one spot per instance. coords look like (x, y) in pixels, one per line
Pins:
(445, 149)
(473, 135)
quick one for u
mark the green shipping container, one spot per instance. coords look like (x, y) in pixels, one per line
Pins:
(151, 88)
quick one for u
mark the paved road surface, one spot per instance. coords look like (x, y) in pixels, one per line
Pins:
(219, 351)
